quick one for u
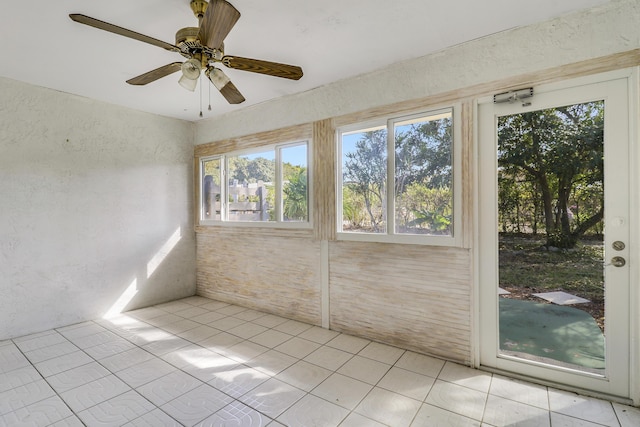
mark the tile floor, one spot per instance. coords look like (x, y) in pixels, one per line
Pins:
(199, 362)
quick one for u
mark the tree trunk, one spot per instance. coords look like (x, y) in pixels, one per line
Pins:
(585, 226)
(547, 202)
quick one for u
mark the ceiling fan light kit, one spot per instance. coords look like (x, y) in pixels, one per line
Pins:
(187, 83)
(224, 85)
(191, 69)
(203, 46)
(217, 77)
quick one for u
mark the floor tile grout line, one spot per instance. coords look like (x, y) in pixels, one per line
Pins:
(42, 377)
(115, 375)
(486, 402)
(132, 388)
(248, 339)
(297, 359)
(48, 384)
(306, 393)
(204, 382)
(98, 361)
(77, 414)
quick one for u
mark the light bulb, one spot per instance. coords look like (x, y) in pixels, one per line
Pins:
(191, 68)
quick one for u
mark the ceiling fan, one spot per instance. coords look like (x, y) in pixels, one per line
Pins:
(203, 47)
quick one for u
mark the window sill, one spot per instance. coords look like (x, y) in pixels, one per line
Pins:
(407, 239)
(259, 224)
(292, 230)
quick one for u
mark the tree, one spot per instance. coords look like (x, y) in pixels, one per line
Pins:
(422, 159)
(425, 209)
(365, 172)
(353, 208)
(559, 149)
(423, 154)
(251, 170)
(423, 167)
(294, 193)
(261, 169)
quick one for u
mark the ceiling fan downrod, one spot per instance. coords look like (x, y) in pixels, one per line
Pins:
(199, 7)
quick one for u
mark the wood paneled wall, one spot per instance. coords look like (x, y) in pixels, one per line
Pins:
(414, 297)
(279, 275)
(324, 180)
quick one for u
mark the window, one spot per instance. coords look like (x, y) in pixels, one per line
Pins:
(408, 195)
(211, 188)
(268, 185)
(364, 180)
(295, 192)
(251, 186)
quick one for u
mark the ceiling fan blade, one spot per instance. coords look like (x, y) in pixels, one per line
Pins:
(232, 94)
(218, 20)
(156, 74)
(225, 86)
(96, 23)
(275, 69)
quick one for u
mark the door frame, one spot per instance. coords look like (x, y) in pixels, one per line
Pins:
(545, 375)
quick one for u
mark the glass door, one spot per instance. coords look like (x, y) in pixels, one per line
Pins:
(554, 235)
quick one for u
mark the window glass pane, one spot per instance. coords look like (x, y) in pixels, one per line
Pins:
(294, 183)
(251, 187)
(211, 189)
(364, 174)
(423, 176)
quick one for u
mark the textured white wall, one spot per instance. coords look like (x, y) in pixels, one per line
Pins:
(600, 31)
(94, 200)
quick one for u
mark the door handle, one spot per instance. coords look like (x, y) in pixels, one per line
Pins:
(618, 261)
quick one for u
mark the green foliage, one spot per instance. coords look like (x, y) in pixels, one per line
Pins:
(524, 261)
(292, 172)
(422, 179)
(423, 154)
(212, 168)
(353, 208)
(245, 170)
(551, 161)
(421, 209)
(365, 173)
(518, 204)
(270, 199)
(294, 192)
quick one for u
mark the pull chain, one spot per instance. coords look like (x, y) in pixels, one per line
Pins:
(200, 95)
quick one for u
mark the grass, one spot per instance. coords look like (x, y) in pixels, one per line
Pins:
(526, 263)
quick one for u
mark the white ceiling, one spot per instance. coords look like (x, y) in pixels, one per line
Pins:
(330, 39)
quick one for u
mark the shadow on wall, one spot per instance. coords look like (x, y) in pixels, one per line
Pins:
(141, 288)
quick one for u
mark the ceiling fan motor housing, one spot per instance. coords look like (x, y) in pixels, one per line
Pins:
(190, 46)
(188, 37)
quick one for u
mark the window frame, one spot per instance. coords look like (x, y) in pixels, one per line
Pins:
(390, 236)
(201, 162)
(280, 181)
(278, 187)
